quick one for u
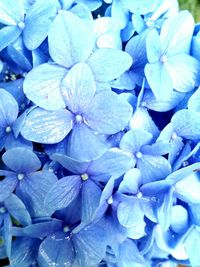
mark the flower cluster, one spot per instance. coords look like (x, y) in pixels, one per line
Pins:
(99, 134)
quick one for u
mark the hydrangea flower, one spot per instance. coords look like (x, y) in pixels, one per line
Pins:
(99, 134)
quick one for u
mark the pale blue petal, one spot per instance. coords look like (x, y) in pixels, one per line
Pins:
(42, 86)
(179, 219)
(131, 182)
(188, 189)
(7, 115)
(11, 13)
(176, 33)
(192, 246)
(63, 192)
(48, 127)
(162, 105)
(119, 13)
(133, 140)
(8, 35)
(90, 244)
(33, 190)
(186, 123)
(108, 64)
(56, 250)
(74, 41)
(82, 11)
(153, 46)
(184, 72)
(92, 4)
(103, 115)
(153, 168)
(143, 121)
(194, 101)
(21, 160)
(38, 21)
(159, 80)
(78, 88)
(18, 210)
(80, 141)
(142, 7)
(130, 214)
(113, 162)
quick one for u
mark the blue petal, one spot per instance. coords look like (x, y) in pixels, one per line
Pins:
(81, 11)
(43, 229)
(24, 251)
(42, 86)
(48, 127)
(18, 210)
(7, 186)
(21, 160)
(80, 141)
(63, 192)
(113, 162)
(188, 189)
(131, 182)
(194, 212)
(38, 21)
(184, 72)
(142, 7)
(75, 166)
(90, 245)
(78, 88)
(103, 115)
(7, 115)
(186, 123)
(74, 41)
(192, 246)
(119, 13)
(108, 64)
(56, 250)
(91, 194)
(11, 13)
(7, 233)
(19, 54)
(153, 168)
(179, 219)
(153, 46)
(33, 190)
(133, 140)
(159, 80)
(92, 4)
(8, 35)
(174, 38)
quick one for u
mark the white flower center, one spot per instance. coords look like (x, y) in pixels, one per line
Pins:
(8, 129)
(84, 177)
(138, 155)
(20, 176)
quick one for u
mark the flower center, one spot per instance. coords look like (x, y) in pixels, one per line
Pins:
(174, 136)
(138, 155)
(110, 200)
(78, 118)
(8, 129)
(2, 210)
(21, 25)
(163, 59)
(84, 177)
(66, 229)
(20, 176)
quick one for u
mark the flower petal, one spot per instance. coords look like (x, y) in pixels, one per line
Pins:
(11, 13)
(78, 88)
(103, 115)
(74, 41)
(48, 127)
(42, 86)
(7, 186)
(8, 35)
(21, 160)
(63, 192)
(56, 250)
(108, 64)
